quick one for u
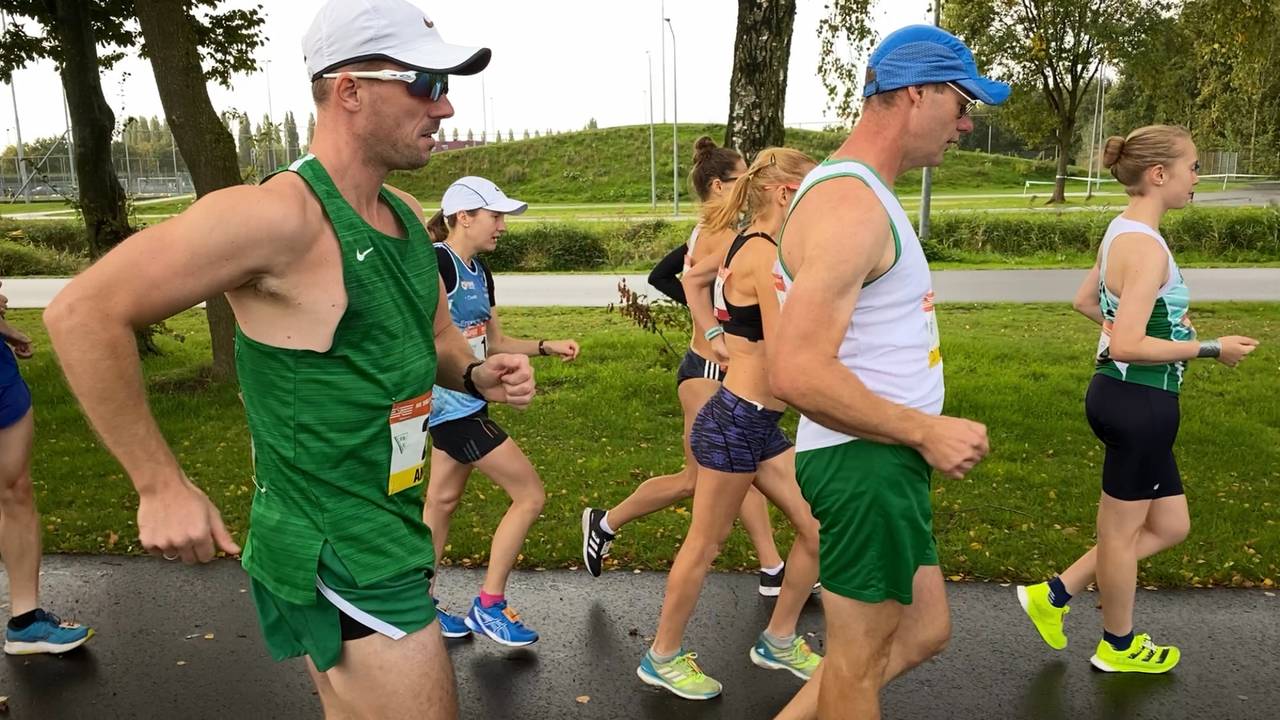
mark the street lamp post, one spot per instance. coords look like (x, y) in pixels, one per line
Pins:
(271, 122)
(675, 119)
(653, 158)
(926, 182)
(17, 127)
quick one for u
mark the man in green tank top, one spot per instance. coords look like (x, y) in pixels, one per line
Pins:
(342, 332)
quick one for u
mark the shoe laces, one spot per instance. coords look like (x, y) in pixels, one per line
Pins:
(687, 661)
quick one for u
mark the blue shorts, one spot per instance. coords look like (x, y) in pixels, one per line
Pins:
(733, 435)
(15, 400)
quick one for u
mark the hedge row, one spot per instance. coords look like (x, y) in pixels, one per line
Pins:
(1228, 234)
(1207, 234)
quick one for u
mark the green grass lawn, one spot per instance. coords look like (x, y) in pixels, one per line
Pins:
(603, 424)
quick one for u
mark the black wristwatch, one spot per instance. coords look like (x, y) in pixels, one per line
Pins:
(470, 385)
(542, 347)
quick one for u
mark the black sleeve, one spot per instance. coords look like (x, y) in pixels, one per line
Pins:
(448, 273)
(666, 273)
(488, 281)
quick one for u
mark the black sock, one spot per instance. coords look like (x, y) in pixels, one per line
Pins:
(1119, 642)
(1058, 595)
(23, 621)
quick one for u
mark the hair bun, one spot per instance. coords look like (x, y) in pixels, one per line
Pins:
(1112, 151)
(702, 147)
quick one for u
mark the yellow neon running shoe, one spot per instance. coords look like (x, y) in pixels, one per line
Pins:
(1047, 618)
(1142, 656)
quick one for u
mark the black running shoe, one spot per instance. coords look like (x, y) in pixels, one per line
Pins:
(595, 541)
(771, 584)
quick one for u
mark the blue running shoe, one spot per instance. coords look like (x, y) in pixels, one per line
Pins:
(47, 634)
(500, 624)
(451, 626)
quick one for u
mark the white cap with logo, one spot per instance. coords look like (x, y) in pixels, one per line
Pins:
(351, 31)
(475, 193)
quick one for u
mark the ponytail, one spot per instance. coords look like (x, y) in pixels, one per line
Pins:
(437, 228)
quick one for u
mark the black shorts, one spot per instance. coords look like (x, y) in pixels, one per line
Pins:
(1138, 424)
(470, 438)
(695, 366)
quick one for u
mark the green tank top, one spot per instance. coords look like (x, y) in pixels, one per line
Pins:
(339, 438)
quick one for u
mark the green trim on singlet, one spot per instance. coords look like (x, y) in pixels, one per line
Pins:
(893, 227)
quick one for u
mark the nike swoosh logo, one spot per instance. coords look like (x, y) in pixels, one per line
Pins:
(360, 255)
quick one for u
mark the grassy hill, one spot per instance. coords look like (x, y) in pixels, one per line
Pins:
(612, 165)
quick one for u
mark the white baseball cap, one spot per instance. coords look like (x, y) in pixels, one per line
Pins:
(351, 31)
(474, 193)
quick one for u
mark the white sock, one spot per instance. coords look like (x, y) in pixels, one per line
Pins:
(604, 524)
(773, 570)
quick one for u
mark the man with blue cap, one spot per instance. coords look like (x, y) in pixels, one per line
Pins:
(858, 354)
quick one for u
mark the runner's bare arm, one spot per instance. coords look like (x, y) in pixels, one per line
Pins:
(843, 242)
(1142, 269)
(500, 342)
(223, 241)
(696, 281)
(1086, 301)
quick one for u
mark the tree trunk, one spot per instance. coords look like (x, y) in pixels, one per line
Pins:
(102, 200)
(1066, 131)
(169, 40)
(758, 86)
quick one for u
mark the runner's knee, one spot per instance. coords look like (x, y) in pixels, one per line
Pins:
(443, 499)
(15, 490)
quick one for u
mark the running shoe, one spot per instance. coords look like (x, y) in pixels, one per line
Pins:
(451, 626)
(681, 676)
(47, 634)
(1142, 656)
(500, 624)
(1046, 617)
(595, 541)
(800, 660)
(771, 583)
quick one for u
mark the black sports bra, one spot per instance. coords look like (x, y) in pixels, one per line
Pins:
(743, 321)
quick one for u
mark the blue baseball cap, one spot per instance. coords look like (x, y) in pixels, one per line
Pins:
(924, 54)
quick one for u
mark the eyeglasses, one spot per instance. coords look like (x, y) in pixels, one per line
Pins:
(421, 84)
(969, 103)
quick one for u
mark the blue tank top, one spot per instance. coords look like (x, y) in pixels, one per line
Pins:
(470, 309)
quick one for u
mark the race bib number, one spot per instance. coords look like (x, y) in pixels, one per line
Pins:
(409, 443)
(931, 326)
(721, 309)
(478, 340)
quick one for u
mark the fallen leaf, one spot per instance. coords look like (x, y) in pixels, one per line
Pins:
(208, 636)
(182, 662)
(192, 636)
(584, 699)
(112, 539)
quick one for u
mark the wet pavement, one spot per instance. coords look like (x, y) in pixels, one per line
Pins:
(151, 658)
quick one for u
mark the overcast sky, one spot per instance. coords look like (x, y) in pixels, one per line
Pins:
(555, 65)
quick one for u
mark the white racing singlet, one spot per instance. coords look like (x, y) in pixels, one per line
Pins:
(892, 342)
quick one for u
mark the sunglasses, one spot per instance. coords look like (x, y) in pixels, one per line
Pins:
(421, 84)
(969, 103)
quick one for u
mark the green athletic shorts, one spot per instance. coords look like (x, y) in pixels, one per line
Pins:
(395, 607)
(876, 523)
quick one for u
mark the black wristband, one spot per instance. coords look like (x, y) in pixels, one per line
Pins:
(470, 385)
(542, 347)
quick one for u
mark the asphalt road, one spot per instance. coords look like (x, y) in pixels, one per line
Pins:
(150, 658)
